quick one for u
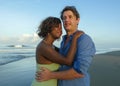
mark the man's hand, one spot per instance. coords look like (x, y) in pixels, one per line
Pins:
(43, 75)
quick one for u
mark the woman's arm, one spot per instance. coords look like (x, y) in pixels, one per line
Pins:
(56, 48)
(49, 53)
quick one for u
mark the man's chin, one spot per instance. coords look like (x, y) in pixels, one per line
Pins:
(67, 30)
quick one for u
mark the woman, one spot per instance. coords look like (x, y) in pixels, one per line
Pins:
(46, 55)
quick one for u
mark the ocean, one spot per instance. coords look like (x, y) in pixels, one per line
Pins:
(12, 53)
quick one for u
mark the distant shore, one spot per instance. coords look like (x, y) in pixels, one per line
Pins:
(104, 70)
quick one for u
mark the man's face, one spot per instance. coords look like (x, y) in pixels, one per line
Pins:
(70, 22)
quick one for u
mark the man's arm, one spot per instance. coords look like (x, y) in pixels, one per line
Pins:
(63, 75)
(66, 75)
(85, 52)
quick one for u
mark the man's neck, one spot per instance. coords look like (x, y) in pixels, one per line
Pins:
(71, 32)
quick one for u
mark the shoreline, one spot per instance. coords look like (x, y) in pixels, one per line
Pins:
(104, 71)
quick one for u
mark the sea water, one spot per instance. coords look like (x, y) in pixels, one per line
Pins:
(12, 53)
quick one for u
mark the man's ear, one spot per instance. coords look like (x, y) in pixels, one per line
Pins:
(78, 21)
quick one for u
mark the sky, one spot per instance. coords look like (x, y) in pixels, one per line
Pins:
(19, 20)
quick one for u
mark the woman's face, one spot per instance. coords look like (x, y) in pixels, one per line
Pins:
(57, 32)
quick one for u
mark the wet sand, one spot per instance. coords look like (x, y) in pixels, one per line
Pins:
(105, 69)
(19, 73)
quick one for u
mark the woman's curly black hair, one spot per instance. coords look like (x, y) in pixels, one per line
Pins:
(46, 26)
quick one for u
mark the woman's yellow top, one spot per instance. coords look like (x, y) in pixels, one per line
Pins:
(52, 82)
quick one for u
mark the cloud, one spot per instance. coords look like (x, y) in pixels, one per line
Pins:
(23, 39)
(28, 38)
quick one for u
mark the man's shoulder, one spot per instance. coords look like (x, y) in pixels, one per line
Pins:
(84, 36)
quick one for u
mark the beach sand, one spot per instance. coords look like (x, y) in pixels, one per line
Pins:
(104, 70)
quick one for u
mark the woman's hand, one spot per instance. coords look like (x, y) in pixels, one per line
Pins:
(78, 34)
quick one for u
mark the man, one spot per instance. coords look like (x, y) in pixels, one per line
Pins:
(77, 74)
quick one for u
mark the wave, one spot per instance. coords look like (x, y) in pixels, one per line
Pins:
(102, 51)
(11, 53)
(8, 59)
(17, 46)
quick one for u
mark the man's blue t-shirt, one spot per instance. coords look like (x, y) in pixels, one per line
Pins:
(82, 60)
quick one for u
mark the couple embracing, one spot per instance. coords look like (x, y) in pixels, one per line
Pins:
(69, 64)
